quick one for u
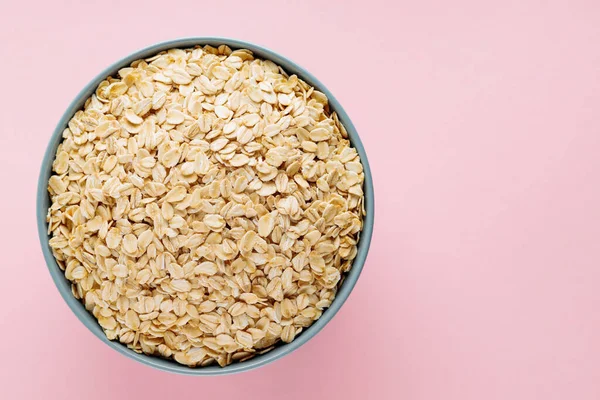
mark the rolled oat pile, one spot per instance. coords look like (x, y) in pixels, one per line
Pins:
(205, 205)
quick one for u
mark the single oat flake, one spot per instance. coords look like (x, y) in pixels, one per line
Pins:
(205, 205)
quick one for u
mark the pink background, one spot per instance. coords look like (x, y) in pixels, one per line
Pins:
(481, 121)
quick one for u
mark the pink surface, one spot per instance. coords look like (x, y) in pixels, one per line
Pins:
(481, 124)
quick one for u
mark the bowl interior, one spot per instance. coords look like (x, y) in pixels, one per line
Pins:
(64, 286)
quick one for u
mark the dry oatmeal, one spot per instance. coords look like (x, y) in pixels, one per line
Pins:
(205, 205)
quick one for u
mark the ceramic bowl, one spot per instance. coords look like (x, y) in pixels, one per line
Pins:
(63, 285)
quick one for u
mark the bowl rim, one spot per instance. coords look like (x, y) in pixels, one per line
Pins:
(63, 285)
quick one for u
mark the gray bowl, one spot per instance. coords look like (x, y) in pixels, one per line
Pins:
(64, 286)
